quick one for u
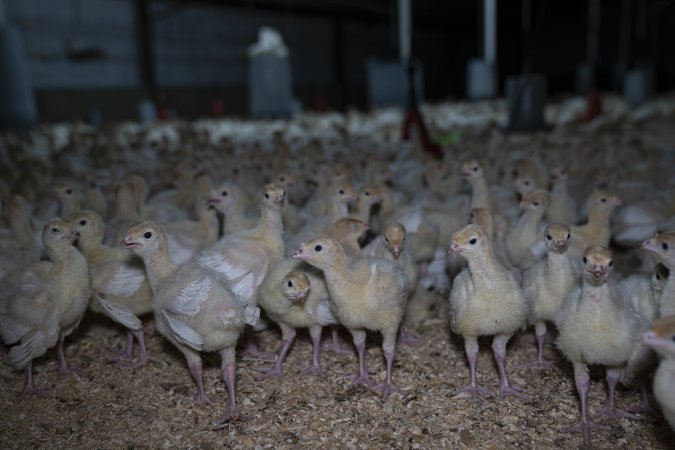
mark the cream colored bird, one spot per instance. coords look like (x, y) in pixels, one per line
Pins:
(485, 300)
(189, 237)
(480, 193)
(347, 232)
(194, 309)
(229, 200)
(42, 303)
(596, 231)
(562, 208)
(244, 258)
(596, 326)
(294, 295)
(367, 294)
(662, 246)
(340, 195)
(661, 338)
(18, 246)
(69, 196)
(525, 232)
(392, 245)
(546, 284)
(119, 286)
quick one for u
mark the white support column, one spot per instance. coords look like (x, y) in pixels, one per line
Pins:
(490, 30)
(404, 29)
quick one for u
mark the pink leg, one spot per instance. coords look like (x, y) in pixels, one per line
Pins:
(335, 345)
(29, 387)
(315, 367)
(360, 344)
(404, 338)
(585, 426)
(197, 373)
(388, 387)
(471, 349)
(232, 414)
(541, 362)
(276, 371)
(252, 348)
(499, 351)
(610, 409)
(647, 402)
(63, 368)
(127, 351)
(143, 358)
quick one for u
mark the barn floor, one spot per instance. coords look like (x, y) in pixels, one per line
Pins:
(151, 408)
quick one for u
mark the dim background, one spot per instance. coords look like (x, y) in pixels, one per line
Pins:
(86, 55)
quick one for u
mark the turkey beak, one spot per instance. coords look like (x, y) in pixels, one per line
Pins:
(616, 201)
(522, 206)
(127, 242)
(648, 245)
(561, 244)
(396, 250)
(650, 338)
(297, 254)
(454, 248)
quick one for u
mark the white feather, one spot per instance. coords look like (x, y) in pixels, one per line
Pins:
(222, 264)
(178, 252)
(183, 333)
(120, 314)
(189, 298)
(124, 282)
(324, 314)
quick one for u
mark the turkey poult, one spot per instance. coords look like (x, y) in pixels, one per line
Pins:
(367, 294)
(43, 302)
(244, 258)
(194, 309)
(120, 289)
(596, 326)
(662, 245)
(485, 300)
(294, 296)
(546, 284)
(661, 337)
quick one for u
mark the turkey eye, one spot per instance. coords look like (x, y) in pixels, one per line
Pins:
(665, 246)
(536, 203)
(475, 169)
(367, 194)
(386, 239)
(341, 191)
(569, 235)
(472, 241)
(267, 195)
(527, 183)
(318, 248)
(147, 235)
(69, 191)
(611, 263)
(290, 283)
(55, 230)
(562, 172)
(603, 200)
(282, 179)
(224, 193)
(83, 222)
(585, 260)
(548, 236)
